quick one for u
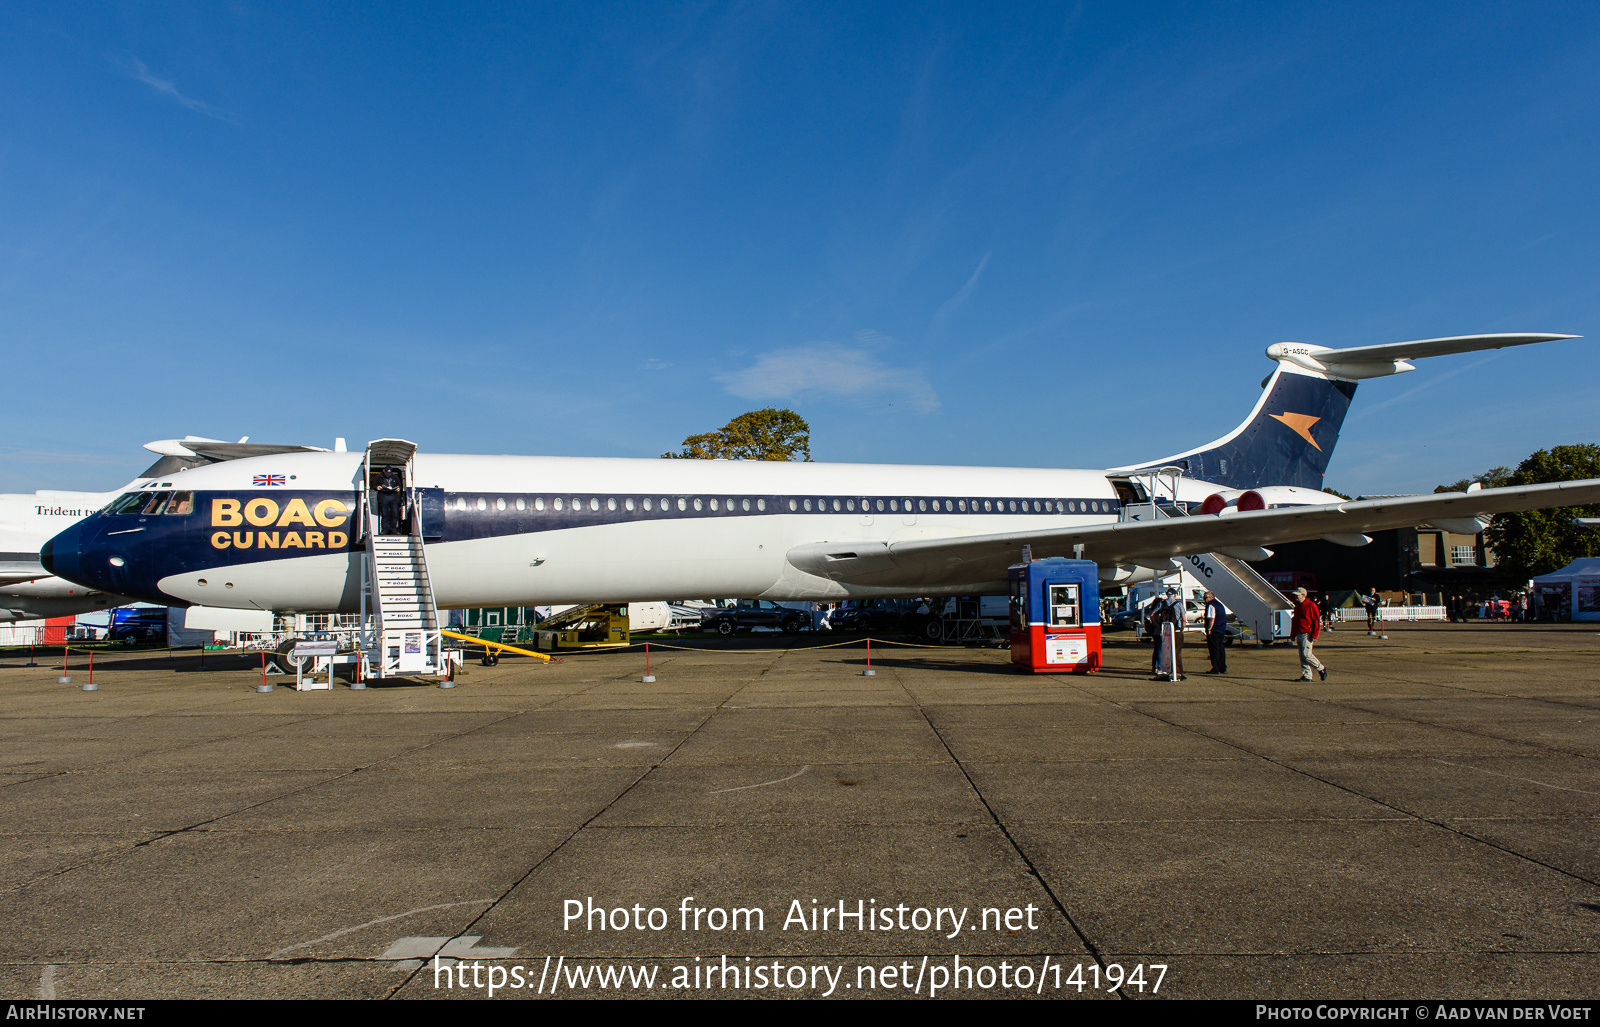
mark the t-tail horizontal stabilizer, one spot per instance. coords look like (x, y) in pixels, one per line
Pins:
(1289, 436)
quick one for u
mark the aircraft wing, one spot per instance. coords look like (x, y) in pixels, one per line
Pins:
(929, 562)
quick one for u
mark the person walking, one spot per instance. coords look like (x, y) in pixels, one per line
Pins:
(1216, 634)
(1372, 602)
(1305, 628)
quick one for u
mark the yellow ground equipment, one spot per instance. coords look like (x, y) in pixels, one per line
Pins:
(595, 626)
(497, 647)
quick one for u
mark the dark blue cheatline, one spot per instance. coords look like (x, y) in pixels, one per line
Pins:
(488, 515)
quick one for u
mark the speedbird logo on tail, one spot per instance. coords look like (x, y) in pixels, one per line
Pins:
(1300, 424)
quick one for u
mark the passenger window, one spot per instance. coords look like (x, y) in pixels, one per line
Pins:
(182, 504)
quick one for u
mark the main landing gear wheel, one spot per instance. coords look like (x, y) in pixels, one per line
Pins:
(290, 662)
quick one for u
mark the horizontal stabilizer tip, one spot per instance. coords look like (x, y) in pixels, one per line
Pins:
(1354, 363)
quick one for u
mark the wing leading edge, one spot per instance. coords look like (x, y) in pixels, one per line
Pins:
(930, 563)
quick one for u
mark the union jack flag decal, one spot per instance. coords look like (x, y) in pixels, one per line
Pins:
(270, 479)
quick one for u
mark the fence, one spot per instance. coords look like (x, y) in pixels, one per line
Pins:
(18, 634)
(1347, 614)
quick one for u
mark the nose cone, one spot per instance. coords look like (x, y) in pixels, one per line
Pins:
(61, 555)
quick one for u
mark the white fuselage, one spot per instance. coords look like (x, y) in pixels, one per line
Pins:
(620, 547)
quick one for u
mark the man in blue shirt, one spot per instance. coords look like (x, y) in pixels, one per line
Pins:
(1216, 634)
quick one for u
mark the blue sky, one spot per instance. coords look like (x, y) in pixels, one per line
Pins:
(1053, 235)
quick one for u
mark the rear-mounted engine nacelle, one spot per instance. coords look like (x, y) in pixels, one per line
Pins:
(1232, 501)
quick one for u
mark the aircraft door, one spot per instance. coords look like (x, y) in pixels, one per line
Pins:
(389, 485)
(431, 511)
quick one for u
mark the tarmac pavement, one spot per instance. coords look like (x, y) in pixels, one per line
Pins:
(1424, 824)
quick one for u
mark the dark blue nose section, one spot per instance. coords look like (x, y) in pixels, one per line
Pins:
(61, 555)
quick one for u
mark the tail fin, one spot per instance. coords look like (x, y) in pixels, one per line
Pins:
(1289, 436)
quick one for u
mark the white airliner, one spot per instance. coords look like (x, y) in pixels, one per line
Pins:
(29, 520)
(282, 532)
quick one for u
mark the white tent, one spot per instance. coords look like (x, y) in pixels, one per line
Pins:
(1571, 593)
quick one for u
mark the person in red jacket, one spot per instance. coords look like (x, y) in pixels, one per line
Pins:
(1305, 628)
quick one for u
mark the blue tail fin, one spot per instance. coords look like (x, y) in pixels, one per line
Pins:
(1287, 439)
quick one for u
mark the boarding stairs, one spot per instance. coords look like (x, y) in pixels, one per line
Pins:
(1258, 607)
(399, 615)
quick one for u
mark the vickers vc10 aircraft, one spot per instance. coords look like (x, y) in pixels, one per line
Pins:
(285, 532)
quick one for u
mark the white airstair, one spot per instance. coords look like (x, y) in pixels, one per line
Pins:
(1255, 603)
(399, 615)
(1248, 596)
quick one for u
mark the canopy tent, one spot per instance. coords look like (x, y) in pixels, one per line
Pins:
(1571, 593)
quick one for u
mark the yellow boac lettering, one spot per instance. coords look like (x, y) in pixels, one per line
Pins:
(296, 513)
(291, 540)
(225, 513)
(219, 539)
(331, 513)
(261, 512)
(337, 539)
(267, 540)
(242, 539)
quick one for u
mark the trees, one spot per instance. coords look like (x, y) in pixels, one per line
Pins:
(1540, 541)
(1493, 478)
(768, 434)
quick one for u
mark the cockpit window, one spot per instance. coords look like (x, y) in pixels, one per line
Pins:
(158, 502)
(181, 503)
(128, 502)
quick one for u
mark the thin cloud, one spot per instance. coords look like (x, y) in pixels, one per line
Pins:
(140, 72)
(949, 307)
(829, 370)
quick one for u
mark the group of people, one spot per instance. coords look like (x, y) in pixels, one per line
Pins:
(1519, 609)
(1164, 620)
(1169, 610)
